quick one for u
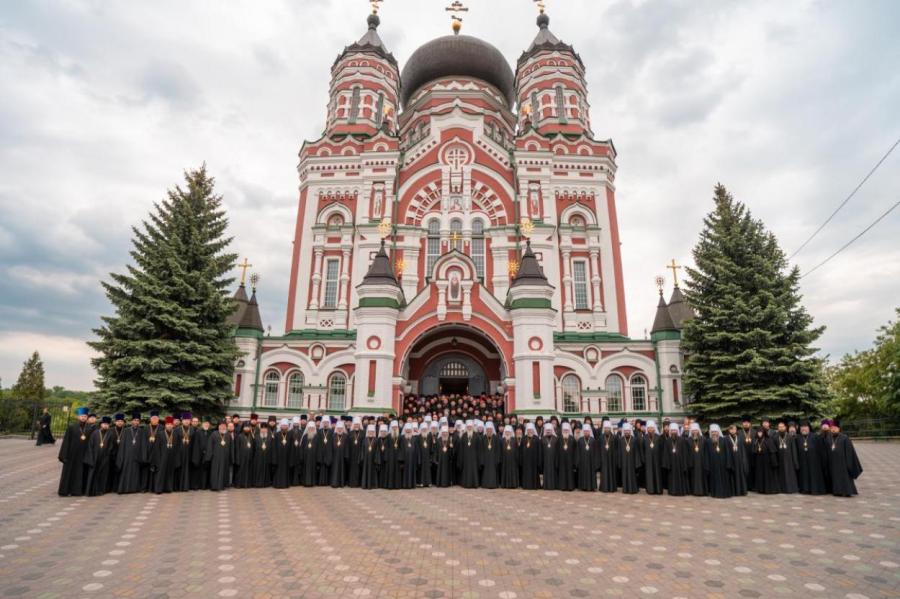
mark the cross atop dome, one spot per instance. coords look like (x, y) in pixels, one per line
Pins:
(456, 7)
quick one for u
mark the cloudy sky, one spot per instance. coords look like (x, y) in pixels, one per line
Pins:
(104, 103)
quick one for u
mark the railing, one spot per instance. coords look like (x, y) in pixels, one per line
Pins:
(872, 428)
(20, 416)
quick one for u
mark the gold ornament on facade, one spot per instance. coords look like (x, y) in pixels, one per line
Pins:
(527, 227)
(513, 268)
(384, 227)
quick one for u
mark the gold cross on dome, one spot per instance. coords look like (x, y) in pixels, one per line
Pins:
(376, 4)
(540, 5)
(244, 266)
(456, 7)
(674, 268)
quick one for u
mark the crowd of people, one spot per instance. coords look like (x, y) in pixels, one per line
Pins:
(187, 454)
(454, 407)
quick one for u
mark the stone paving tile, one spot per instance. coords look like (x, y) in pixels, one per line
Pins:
(430, 543)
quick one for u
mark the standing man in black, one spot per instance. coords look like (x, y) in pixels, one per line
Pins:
(45, 436)
(73, 479)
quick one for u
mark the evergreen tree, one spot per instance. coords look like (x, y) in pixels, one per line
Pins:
(168, 346)
(748, 351)
(30, 384)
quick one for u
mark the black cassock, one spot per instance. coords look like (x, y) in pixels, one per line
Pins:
(788, 462)
(843, 465)
(199, 465)
(130, 458)
(310, 448)
(426, 447)
(410, 459)
(445, 462)
(628, 463)
(721, 464)
(45, 435)
(587, 462)
(152, 438)
(97, 459)
(765, 465)
(740, 458)
(243, 461)
(185, 439)
(219, 455)
(263, 451)
(651, 447)
(489, 460)
(530, 459)
(609, 458)
(675, 464)
(340, 454)
(164, 459)
(467, 452)
(282, 450)
(509, 464)
(389, 468)
(295, 442)
(115, 442)
(325, 440)
(549, 462)
(73, 479)
(565, 463)
(811, 475)
(354, 453)
(698, 465)
(368, 468)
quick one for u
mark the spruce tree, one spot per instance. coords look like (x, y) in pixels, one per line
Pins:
(749, 349)
(30, 384)
(168, 346)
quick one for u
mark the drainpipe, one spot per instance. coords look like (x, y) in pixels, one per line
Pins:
(256, 378)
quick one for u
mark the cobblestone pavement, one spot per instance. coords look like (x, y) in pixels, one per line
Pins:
(443, 543)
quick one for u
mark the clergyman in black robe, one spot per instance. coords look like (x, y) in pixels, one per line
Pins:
(810, 475)
(549, 458)
(219, 455)
(721, 463)
(152, 437)
(44, 434)
(281, 456)
(131, 457)
(651, 448)
(629, 460)
(310, 448)
(444, 459)
(118, 429)
(389, 455)
(368, 454)
(765, 463)
(489, 457)
(243, 458)
(263, 451)
(340, 454)
(326, 451)
(354, 452)
(184, 436)
(587, 460)
(199, 465)
(843, 463)
(467, 457)
(409, 457)
(426, 449)
(740, 458)
(609, 458)
(698, 464)
(73, 479)
(530, 458)
(164, 459)
(788, 460)
(509, 460)
(565, 459)
(97, 459)
(675, 463)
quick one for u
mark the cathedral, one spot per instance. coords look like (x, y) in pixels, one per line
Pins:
(456, 232)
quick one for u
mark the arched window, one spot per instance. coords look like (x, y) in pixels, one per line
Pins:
(270, 396)
(295, 390)
(354, 105)
(337, 391)
(561, 105)
(638, 393)
(571, 392)
(432, 245)
(580, 283)
(577, 222)
(379, 110)
(613, 393)
(335, 221)
(455, 234)
(478, 246)
(456, 370)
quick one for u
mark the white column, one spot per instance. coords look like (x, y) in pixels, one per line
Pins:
(595, 279)
(567, 281)
(345, 278)
(316, 278)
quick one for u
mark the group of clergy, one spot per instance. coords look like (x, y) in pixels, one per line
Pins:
(185, 454)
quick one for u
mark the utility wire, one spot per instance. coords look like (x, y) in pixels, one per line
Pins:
(847, 199)
(846, 245)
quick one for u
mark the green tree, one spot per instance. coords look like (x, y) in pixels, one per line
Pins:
(749, 349)
(866, 384)
(18, 405)
(168, 346)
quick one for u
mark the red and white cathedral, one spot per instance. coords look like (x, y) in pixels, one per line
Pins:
(456, 232)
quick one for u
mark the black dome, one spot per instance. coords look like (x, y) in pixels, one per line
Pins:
(457, 55)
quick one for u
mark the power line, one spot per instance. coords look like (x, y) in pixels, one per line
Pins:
(846, 245)
(847, 199)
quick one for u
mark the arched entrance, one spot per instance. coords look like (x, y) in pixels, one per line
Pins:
(454, 359)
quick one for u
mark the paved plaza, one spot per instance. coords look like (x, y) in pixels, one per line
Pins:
(443, 542)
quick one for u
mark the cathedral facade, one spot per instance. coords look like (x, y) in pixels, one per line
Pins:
(456, 232)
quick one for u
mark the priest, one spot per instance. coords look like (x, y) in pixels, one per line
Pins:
(530, 458)
(219, 455)
(243, 457)
(340, 454)
(118, 430)
(97, 459)
(675, 462)
(629, 460)
(354, 452)
(184, 437)
(309, 456)
(409, 457)
(609, 453)
(765, 463)
(651, 448)
(281, 455)
(467, 457)
(73, 480)
(131, 457)
(199, 465)
(740, 458)
(263, 451)
(152, 438)
(509, 460)
(810, 475)
(788, 459)
(549, 458)
(164, 459)
(843, 463)
(426, 446)
(587, 460)
(721, 464)
(326, 451)
(698, 465)
(490, 453)
(368, 456)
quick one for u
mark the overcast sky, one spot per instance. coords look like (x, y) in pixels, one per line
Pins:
(103, 104)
